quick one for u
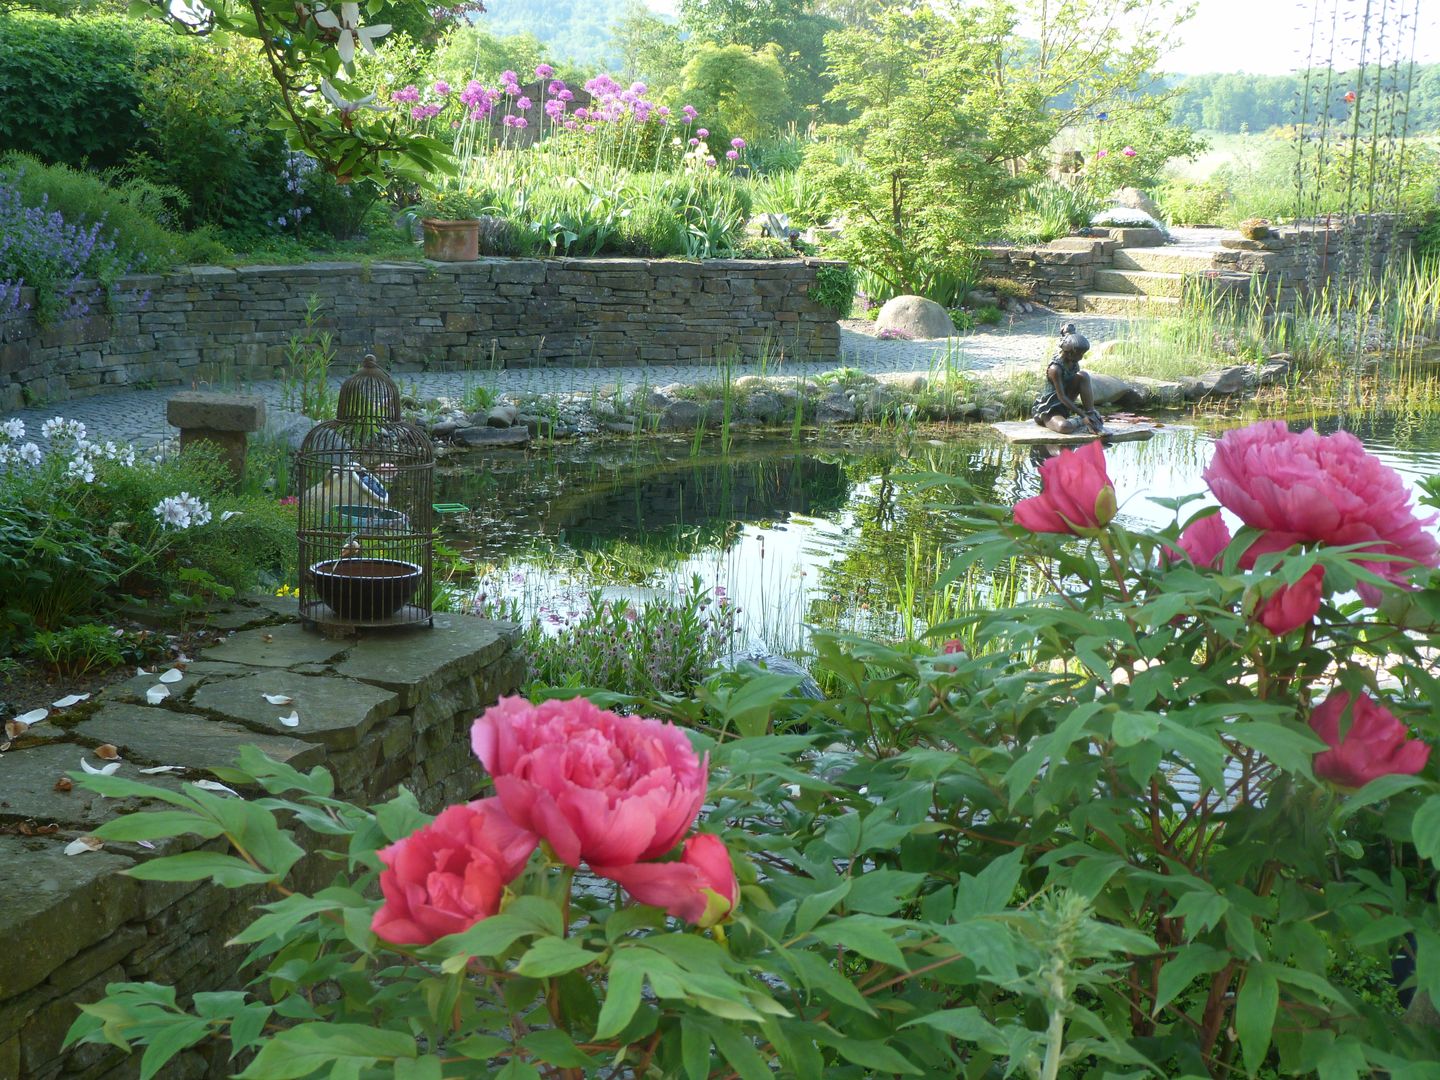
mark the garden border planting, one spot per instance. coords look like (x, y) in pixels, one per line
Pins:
(209, 323)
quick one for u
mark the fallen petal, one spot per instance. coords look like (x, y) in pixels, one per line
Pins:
(15, 728)
(82, 844)
(146, 844)
(277, 699)
(107, 752)
(68, 700)
(293, 720)
(173, 675)
(139, 671)
(162, 769)
(215, 785)
(157, 694)
(34, 716)
(228, 514)
(108, 770)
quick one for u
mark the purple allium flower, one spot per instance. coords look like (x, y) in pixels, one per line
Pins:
(555, 87)
(638, 88)
(523, 103)
(694, 141)
(1102, 153)
(704, 133)
(689, 112)
(738, 144)
(543, 71)
(441, 88)
(509, 77)
(409, 93)
(663, 110)
(565, 95)
(582, 113)
(521, 122)
(732, 155)
(710, 162)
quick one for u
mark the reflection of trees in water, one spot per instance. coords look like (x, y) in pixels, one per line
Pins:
(901, 531)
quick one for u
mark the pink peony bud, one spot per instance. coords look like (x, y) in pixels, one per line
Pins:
(699, 888)
(1375, 745)
(1292, 606)
(1075, 493)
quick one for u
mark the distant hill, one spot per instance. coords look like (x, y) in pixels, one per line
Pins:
(1232, 102)
(573, 31)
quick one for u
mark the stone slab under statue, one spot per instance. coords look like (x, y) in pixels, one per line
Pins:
(1027, 432)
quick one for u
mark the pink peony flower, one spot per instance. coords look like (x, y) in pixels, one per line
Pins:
(450, 874)
(1075, 493)
(1129, 151)
(1375, 745)
(1322, 489)
(953, 646)
(1292, 606)
(700, 887)
(608, 789)
(1206, 540)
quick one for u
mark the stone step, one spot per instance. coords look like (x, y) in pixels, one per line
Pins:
(1162, 260)
(1104, 303)
(1140, 282)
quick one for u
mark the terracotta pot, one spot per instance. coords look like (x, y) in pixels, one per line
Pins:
(451, 241)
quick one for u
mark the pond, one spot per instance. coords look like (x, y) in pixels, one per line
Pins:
(817, 532)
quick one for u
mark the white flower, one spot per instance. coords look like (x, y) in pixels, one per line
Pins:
(123, 454)
(59, 430)
(13, 430)
(348, 24)
(345, 105)
(181, 511)
(30, 454)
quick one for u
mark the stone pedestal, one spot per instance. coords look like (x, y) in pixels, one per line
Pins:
(222, 420)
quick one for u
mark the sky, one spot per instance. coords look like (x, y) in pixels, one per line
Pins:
(1272, 37)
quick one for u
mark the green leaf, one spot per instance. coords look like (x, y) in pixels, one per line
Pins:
(479, 1047)
(1425, 829)
(990, 890)
(815, 907)
(694, 1049)
(556, 1048)
(1130, 728)
(1290, 748)
(870, 1054)
(298, 1051)
(1255, 1010)
(1201, 909)
(178, 1034)
(225, 870)
(865, 935)
(158, 825)
(1187, 965)
(515, 1069)
(428, 1067)
(554, 956)
(880, 892)
(622, 993)
(818, 976)
(967, 1025)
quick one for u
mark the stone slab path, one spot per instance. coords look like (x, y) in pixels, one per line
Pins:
(137, 417)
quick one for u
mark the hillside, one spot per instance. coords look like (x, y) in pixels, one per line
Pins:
(579, 33)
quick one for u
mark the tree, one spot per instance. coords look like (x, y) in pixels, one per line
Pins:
(651, 48)
(738, 91)
(920, 174)
(469, 52)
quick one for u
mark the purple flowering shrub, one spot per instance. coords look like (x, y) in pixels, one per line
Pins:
(69, 266)
(894, 333)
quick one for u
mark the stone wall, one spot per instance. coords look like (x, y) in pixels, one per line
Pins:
(207, 323)
(1295, 262)
(378, 712)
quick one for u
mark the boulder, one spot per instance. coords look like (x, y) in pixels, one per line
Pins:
(765, 405)
(501, 416)
(489, 437)
(916, 316)
(1107, 389)
(835, 408)
(1136, 199)
(682, 415)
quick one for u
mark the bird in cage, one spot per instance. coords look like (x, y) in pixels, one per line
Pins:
(351, 548)
(348, 485)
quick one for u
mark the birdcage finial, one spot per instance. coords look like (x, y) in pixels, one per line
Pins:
(369, 394)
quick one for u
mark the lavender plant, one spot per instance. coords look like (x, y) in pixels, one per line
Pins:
(69, 266)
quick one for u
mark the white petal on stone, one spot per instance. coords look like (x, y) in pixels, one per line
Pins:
(108, 770)
(146, 844)
(139, 671)
(162, 769)
(82, 844)
(182, 659)
(34, 716)
(68, 700)
(157, 694)
(277, 699)
(293, 720)
(173, 675)
(215, 785)
(228, 514)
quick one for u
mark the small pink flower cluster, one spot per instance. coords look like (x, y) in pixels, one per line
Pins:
(617, 793)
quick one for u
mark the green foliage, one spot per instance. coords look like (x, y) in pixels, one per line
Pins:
(739, 91)
(1236, 102)
(835, 288)
(1046, 209)
(1191, 202)
(650, 48)
(792, 192)
(77, 649)
(136, 216)
(72, 86)
(469, 52)
(305, 385)
(208, 120)
(1133, 146)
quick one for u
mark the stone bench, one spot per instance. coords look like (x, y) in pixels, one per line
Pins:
(222, 420)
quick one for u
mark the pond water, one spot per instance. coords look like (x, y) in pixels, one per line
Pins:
(815, 532)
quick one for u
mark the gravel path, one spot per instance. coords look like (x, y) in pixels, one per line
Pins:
(138, 416)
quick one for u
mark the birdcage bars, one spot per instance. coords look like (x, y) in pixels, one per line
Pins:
(366, 482)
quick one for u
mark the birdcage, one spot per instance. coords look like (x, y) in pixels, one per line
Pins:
(366, 480)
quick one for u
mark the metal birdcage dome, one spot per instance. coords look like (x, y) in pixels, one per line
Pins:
(366, 480)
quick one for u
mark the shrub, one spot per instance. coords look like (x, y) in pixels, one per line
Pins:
(77, 649)
(70, 88)
(834, 288)
(1189, 202)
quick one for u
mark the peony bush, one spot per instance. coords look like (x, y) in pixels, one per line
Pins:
(1178, 817)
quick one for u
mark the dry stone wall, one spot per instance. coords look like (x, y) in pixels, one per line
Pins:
(207, 323)
(378, 713)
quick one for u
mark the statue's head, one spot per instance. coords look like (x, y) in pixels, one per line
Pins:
(1074, 343)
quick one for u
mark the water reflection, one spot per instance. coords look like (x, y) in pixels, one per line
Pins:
(795, 534)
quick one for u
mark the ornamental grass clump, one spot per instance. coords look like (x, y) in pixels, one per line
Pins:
(1128, 828)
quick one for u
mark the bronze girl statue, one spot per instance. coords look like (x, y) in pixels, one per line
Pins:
(1067, 404)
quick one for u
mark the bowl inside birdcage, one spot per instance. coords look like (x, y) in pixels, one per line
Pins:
(365, 589)
(356, 516)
